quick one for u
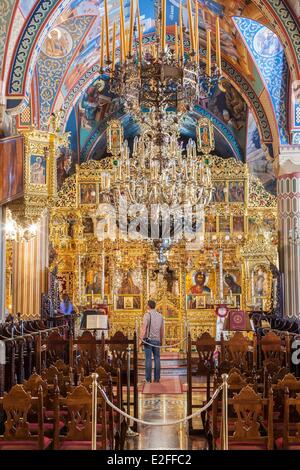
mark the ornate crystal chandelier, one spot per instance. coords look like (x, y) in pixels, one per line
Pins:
(158, 84)
(162, 75)
(159, 170)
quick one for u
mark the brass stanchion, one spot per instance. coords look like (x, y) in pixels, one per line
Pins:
(129, 432)
(94, 411)
(225, 413)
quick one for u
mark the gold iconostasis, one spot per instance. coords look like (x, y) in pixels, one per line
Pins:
(240, 223)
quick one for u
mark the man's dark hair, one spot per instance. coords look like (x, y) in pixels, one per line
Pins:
(151, 304)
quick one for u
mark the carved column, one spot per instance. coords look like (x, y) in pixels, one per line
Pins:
(288, 186)
(2, 263)
(30, 272)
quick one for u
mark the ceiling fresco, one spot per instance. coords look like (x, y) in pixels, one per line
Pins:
(68, 56)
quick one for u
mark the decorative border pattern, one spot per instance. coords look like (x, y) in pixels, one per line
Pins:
(51, 70)
(6, 7)
(249, 93)
(276, 83)
(78, 90)
(45, 14)
(288, 22)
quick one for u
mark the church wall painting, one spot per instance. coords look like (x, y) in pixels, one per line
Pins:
(58, 43)
(128, 290)
(233, 288)
(38, 170)
(88, 193)
(256, 157)
(198, 290)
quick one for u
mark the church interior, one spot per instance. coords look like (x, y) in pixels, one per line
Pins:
(149, 151)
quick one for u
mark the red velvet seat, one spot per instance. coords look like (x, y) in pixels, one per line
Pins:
(78, 445)
(24, 445)
(242, 445)
(48, 428)
(291, 445)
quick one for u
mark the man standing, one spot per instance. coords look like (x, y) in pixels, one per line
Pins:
(152, 333)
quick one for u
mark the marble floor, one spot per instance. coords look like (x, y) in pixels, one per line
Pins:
(157, 408)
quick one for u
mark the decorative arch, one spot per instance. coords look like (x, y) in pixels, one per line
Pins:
(27, 49)
(268, 132)
(46, 12)
(284, 24)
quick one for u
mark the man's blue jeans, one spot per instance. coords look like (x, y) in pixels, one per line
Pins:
(149, 350)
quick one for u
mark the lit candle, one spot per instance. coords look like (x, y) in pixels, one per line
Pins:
(192, 37)
(140, 36)
(92, 297)
(221, 275)
(197, 32)
(103, 273)
(208, 54)
(252, 288)
(126, 42)
(163, 26)
(131, 28)
(181, 33)
(122, 32)
(176, 42)
(107, 31)
(218, 45)
(102, 45)
(114, 48)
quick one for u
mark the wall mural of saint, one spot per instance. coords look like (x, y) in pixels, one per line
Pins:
(37, 170)
(129, 293)
(198, 291)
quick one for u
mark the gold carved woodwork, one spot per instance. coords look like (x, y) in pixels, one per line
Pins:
(40, 176)
(79, 252)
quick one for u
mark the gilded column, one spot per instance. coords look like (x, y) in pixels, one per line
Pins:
(2, 263)
(288, 187)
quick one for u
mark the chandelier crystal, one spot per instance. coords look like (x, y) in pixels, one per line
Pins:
(164, 74)
(160, 171)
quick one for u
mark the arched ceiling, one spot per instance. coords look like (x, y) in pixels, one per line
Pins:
(64, 36)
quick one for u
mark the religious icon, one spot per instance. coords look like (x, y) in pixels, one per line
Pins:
(232, 288)
(115, 137)
(95, 287)
(210, 224)
(200, 301)
(252, 225)
(58, 43)
(88, 226)
(205, 136)
(238, 224)
(260, 283)
(128, 289)
(128, 303)
(37, 169)
(196, 302)
(236, 191)
(88, 193)
(219, 191)
(224, 224)
(231, 283)
(199, 286)
(128, 286)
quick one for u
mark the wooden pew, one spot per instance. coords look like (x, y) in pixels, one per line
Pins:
(17, 404)
(202, 365)
(86, 352)
(118, 350)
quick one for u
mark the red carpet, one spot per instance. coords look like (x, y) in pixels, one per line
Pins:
(167, 385)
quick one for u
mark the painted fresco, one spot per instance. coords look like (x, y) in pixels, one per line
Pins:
(256, 158)
(268, 54)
